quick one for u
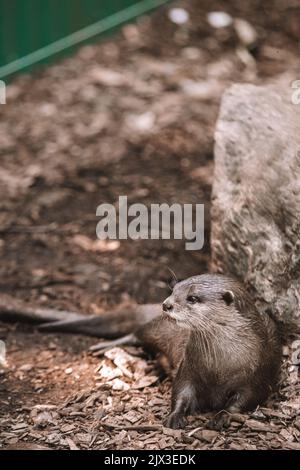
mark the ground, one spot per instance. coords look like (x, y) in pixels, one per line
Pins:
(134, 116)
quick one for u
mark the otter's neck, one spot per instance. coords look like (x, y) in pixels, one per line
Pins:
(220, 341)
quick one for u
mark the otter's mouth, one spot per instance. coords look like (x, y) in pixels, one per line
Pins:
(175, 321)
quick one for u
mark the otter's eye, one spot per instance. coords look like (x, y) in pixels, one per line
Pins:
(192, 299)
(228, 297)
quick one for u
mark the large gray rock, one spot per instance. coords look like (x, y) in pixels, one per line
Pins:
(256, 195)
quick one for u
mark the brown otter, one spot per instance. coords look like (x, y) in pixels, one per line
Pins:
(225, 355)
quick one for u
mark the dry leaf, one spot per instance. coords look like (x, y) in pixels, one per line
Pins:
(102, 246)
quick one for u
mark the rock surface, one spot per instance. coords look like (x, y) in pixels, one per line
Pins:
(256, 195)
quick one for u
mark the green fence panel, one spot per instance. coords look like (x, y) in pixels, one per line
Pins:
(37, 31)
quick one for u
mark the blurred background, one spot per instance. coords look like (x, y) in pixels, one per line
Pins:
(106, 99)
(118, 98)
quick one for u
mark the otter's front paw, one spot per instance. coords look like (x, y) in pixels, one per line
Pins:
(175, 421)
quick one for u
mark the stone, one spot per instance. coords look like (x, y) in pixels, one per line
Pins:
(256, 196)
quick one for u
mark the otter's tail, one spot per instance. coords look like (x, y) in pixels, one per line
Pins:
(118, 322)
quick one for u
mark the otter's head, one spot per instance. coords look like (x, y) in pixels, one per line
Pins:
(205, 300)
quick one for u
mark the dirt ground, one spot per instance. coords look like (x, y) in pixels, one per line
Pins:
(133, 116)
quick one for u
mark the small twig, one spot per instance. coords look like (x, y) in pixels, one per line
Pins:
(190, 434)
(134, 427)
(38, 285)
(53, 227)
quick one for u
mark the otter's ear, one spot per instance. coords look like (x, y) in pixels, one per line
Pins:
(228, 297)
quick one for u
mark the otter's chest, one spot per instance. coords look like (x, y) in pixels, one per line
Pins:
(214, 383)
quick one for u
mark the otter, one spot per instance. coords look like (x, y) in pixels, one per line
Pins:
(223, 353)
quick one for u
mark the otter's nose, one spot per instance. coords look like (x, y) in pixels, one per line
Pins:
(167, 306)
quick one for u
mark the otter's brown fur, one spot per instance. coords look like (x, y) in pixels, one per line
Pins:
(225, 354)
